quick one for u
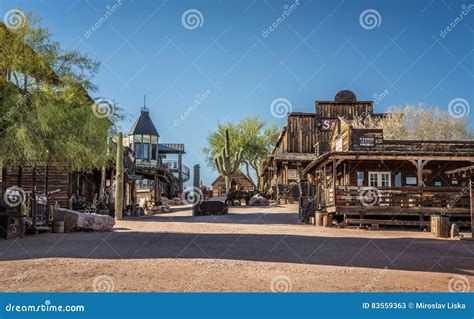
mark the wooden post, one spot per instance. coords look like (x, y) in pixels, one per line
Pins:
(119, 179)
(196, 181)
(102, 181)
(180, 172)
(471, 199)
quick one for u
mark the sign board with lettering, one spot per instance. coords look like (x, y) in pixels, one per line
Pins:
(292, 174)
(367, 141)
(326, 124)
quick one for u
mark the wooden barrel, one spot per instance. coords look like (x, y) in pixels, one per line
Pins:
(319, 218)
(58, 226)
(440, 226)
(327, 220)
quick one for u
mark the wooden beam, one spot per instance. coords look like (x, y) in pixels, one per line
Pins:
(471, 197)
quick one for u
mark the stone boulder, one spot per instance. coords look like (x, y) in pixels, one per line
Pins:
(75, 221)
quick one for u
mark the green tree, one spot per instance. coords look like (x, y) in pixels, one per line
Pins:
(252, 136)
(46, 111)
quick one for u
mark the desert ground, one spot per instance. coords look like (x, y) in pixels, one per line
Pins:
(250, 249)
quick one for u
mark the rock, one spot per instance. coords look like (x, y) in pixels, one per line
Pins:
(177, 201)
(213, 208)
(75, 221)
(165, 209)
(165, 200)
(258, 200)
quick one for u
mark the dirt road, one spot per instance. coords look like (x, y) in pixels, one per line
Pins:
(251, 249)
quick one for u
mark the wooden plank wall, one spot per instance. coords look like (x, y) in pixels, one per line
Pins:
(58, 178)
(301, 133)
(332, 110)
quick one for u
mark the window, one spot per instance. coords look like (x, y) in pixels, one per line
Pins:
(153, 151)
(146, 147)
(138, 150)
(373, 179)
(380, 179)
(360, 178)
(398, 179)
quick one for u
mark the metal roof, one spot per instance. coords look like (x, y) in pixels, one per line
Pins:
(144, 125)
(171, 148)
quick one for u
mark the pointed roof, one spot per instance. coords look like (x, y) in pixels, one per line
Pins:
(144, 125)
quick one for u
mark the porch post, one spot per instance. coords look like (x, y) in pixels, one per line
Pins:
(119, 179)
(334, 176)
(419, 164)
(471, 200)
(180, 173)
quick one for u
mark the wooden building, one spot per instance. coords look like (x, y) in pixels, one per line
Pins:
(238, 182)
(160, 165)
(364, 179)
(306, 136)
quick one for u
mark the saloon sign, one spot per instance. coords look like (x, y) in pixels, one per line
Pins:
(326, 124)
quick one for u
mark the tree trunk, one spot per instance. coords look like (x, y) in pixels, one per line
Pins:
(247, 168)
(227, 184)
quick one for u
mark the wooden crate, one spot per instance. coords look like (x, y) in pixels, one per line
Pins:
(440, 226)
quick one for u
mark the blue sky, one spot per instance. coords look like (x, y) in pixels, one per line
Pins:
(319, 48)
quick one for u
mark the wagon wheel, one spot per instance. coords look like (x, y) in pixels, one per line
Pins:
(236, 202)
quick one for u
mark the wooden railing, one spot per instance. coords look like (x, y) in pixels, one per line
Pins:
(443, 198)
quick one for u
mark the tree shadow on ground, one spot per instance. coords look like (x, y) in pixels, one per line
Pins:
(231, 218)
(411, 254)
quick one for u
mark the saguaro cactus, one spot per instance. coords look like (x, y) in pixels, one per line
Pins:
(226, 166)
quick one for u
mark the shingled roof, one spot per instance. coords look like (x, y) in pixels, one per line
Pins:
(144, 125)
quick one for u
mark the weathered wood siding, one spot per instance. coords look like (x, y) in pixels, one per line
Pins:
(301, 133)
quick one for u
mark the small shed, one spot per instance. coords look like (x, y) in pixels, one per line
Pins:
(239, 182)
